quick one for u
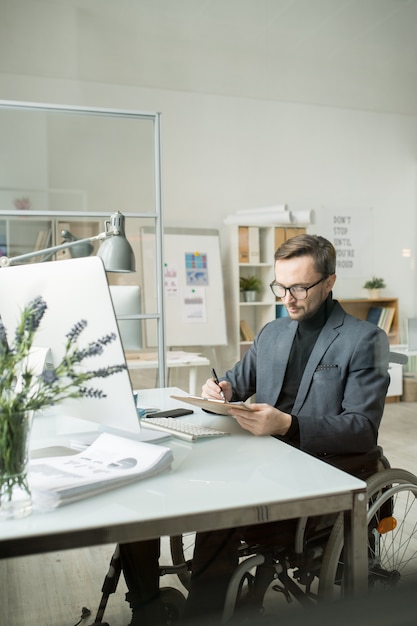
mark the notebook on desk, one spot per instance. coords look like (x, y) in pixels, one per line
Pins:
(221, 407)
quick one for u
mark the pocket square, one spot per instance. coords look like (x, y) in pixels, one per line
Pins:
(320, 368)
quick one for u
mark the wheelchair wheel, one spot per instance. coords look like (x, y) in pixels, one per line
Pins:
(173, 602)
(392, 536)
(182, 548)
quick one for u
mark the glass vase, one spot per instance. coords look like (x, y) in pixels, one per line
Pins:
(15, 496)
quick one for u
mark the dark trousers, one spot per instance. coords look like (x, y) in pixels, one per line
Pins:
(140, 565)
(216, 554)
(214, 561)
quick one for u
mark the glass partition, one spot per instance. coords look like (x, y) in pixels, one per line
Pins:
(65, 170)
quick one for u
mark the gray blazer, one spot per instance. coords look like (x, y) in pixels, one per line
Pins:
(341, 397)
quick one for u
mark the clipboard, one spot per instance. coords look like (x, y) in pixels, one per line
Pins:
(214, 406)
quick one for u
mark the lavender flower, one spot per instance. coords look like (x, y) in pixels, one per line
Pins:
(49, 376)
(87, 392)
(4, 346)
(107, 339)
(29, 322)
(66, 380)
(76, 331)
(22, 391)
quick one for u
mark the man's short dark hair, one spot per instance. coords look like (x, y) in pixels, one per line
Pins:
(320, 249)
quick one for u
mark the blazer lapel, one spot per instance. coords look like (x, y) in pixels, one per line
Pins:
(279, 363)
(326, 337)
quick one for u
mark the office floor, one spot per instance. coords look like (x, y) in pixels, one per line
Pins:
(51, 589)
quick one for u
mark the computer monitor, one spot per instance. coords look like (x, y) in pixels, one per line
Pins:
(74, 290)
(412, 333)
(127, 305)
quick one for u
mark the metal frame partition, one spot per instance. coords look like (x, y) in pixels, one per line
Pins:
(154, 191)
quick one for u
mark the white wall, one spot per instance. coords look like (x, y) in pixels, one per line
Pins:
(28, 137)
(222, 153)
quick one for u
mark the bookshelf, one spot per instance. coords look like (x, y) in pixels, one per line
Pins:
(360, 307)
(19, 236)
(253, 251)
(253, 317)
(80, 229)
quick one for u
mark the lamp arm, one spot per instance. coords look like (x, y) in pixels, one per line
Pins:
(6, 261)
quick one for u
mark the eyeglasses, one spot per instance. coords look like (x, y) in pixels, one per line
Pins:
(297, 292)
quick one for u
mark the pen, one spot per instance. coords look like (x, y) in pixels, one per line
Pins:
(216, 380)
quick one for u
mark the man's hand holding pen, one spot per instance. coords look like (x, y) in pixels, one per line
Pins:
(220, 390)
(216, 380)
(262, 420)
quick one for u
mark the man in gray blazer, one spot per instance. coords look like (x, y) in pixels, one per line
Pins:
(320, 377)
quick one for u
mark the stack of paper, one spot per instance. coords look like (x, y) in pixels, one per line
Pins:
(109, 462)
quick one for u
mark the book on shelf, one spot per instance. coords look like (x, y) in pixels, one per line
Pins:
(249, 244)
(387, 317)
(280, 311)
(246, 333)
(253, 237)
(382, 316)
(109, 462)
(374, 314)
(43, 240)
(243, 244)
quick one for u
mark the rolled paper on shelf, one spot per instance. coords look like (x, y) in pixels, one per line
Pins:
(302, 217)
(266, 218)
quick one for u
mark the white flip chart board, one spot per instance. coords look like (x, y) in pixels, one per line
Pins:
(193, 280)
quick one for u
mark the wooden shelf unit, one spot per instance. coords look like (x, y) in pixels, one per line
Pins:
(256, 314)
(359, 307)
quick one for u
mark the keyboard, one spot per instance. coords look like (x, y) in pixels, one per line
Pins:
(180, 429)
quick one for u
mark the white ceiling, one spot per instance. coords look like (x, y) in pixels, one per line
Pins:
(348, 53)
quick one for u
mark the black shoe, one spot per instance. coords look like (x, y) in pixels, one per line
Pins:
(137, 619)
(149, 615)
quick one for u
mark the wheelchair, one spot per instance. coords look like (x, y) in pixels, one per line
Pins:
(172, 599)
(316, 558)
(311, 570)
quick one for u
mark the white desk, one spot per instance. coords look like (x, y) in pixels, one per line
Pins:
(173, 359)
(228, 481)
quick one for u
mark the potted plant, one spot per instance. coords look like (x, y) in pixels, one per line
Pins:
(23, 392)
(374, 285)
(250, 286)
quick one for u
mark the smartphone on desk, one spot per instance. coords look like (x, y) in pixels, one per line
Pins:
(169, 413)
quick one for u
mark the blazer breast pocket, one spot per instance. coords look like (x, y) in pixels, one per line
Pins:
(326, 390)
(326, 368)
(325, 375)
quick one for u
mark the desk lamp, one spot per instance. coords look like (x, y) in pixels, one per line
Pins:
(115, 250)
(83, 249)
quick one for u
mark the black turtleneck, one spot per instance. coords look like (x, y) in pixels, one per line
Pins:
(306, 336)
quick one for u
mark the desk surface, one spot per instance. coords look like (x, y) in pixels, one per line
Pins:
(142, 360)
(229, 481)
